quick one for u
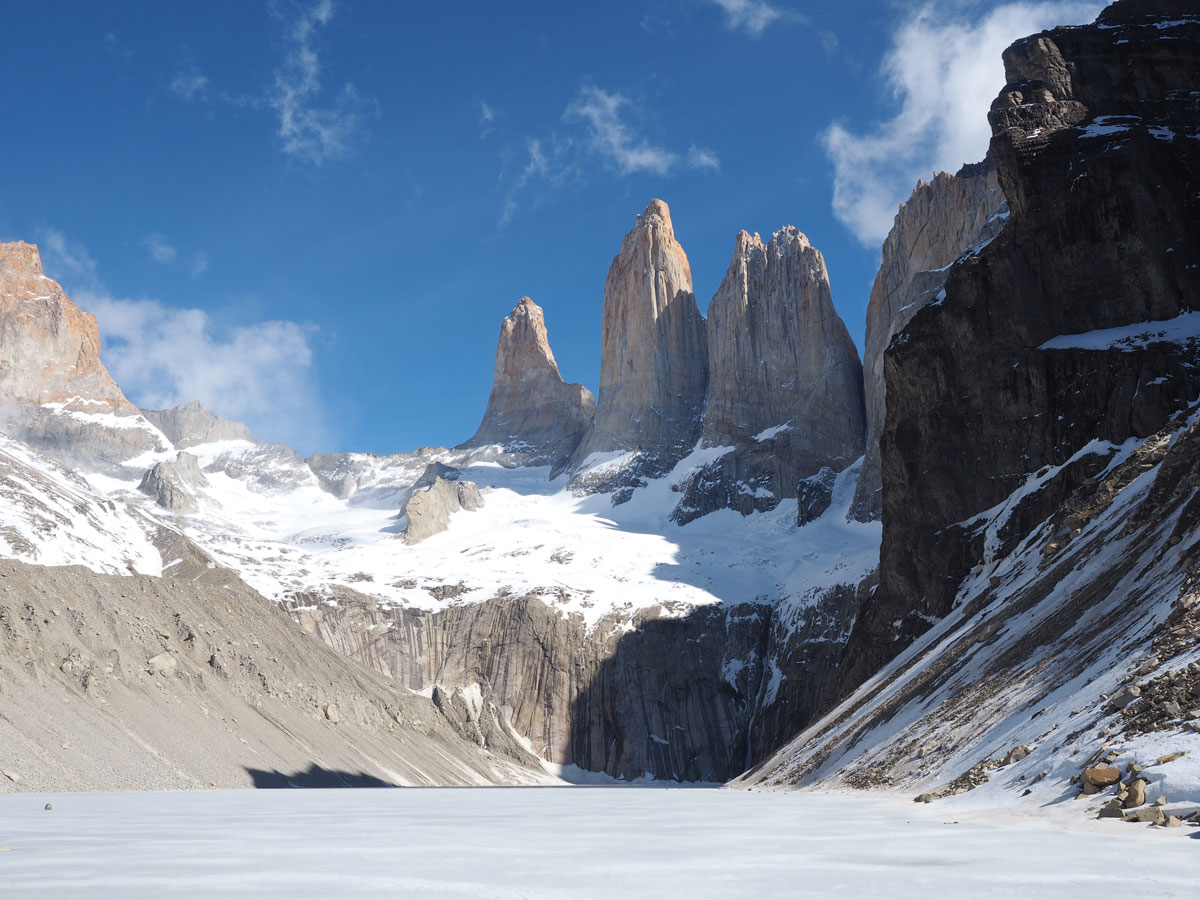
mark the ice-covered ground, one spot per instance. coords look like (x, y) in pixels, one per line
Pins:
(567, 843)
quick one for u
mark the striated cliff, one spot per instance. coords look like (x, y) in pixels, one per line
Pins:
(785, 382)
(1070, 334)
(531, 411)
(944, 219)
(654, 361)
(696, 697)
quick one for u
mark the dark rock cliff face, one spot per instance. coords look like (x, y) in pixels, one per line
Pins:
(943, 220)
(1095, 138)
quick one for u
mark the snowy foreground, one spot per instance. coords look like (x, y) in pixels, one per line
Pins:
(569, 842)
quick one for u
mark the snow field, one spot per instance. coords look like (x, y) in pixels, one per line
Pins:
(566, 843)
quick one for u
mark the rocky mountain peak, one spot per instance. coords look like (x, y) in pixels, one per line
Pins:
(785, 381)
(779, 355)
(20, 263)
(531, 410)
(49, 348)
(654, 361)
(657, 213)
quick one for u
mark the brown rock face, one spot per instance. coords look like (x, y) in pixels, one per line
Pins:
(785, 382)
(531, 410)
(1035, 351)
(654, 363)
(52, 383)
(49, 349)
(941, 221)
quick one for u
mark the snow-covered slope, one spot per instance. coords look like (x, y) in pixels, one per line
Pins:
(51, 516)
(267, 515)
(1100, 597)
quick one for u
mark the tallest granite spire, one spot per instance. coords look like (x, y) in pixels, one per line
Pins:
(654, 356)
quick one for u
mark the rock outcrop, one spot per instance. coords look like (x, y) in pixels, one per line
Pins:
(192, 425)
(785, 381)
(531, 411)
(941, 222)
(654, 360)
(54, 392)
(1070, 333)
(429, 508)
(173, 483)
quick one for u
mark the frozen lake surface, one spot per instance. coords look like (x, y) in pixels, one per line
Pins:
(569, 843)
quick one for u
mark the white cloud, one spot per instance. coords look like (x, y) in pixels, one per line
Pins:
(597, 125)
(612, 137)
(307, 130)
(487, 116)
(189, 83)
(536, 165)
(199, 264)
(160, 248)
(703, 158)
(260, 373)
(945, 69)
(751, 16)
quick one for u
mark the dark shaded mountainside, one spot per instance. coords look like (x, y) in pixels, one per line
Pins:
(1041, 514)
(1013, 371)
(1024, 414)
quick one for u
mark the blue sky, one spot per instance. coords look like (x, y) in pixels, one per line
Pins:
(313, 216)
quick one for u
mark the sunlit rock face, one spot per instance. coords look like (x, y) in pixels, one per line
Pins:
(531, 411)
(654, 358)
(785, 382)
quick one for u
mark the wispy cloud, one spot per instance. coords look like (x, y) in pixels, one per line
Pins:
(67, 260)
(314, 124)
(597, 126)
(944, 68)
(114, 45)
(259, 373)
(753, 16)
(487, 118)
(199, 264)
(189, 83)
(309, 130)
(703, 158)
(160, 248)
(612, 137)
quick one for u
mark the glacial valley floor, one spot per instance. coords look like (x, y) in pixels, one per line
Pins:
(593, 842)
